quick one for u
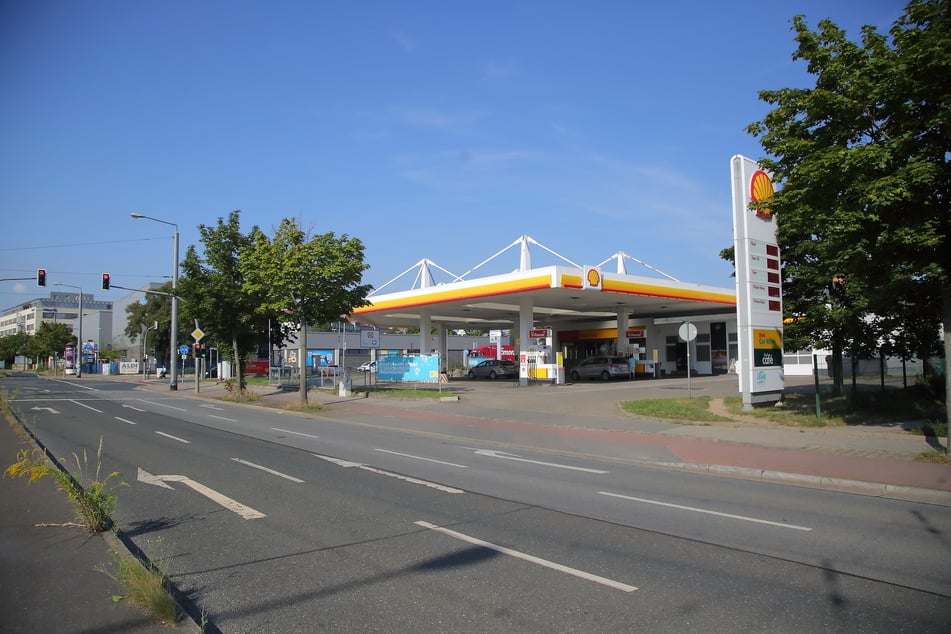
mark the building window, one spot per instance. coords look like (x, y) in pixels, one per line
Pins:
(671, 348)
(703, 347)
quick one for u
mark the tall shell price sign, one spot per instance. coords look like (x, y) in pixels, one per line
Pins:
(759, 298)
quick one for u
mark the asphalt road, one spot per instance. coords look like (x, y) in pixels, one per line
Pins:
(274, 522)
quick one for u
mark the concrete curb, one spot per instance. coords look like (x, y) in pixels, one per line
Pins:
(875, 489)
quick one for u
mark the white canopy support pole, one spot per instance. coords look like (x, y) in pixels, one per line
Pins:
(526, 318)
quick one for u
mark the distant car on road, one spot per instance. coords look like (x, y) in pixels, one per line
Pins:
(494, 369)
(603, 368)
(367, 366)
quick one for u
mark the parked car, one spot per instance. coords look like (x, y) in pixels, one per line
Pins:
(494, 369)
(70, 369)
(367, 366)
(603, 368)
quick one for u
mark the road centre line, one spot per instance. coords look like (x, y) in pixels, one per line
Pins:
(125, 420)
(98, 411)
(230, 420)
(617, 585)
(182, 440)
(706, 511)
(266, 470)
(163, 405)
(389, 474)
(406, 455)
(296, 433)
(133, 407)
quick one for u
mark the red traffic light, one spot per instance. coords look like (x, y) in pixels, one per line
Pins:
(41, 277)
(105, 281)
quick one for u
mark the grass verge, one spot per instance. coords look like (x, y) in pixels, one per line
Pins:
(685, 409)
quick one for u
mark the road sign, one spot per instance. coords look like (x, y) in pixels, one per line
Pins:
(197, 334)
(183, 349)
(687, 332)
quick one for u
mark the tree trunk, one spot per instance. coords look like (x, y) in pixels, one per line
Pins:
(237, 363)
(837, 369)
(946, 318)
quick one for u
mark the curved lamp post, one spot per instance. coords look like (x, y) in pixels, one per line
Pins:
(79, 340)
(173, 382)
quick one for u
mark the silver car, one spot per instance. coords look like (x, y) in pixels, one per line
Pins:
(603, 368)
(493, 369)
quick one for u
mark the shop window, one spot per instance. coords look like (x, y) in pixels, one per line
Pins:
(703, 347)
(671, 349)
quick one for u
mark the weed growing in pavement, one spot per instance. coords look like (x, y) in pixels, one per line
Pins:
(94, 503)
(147, 586)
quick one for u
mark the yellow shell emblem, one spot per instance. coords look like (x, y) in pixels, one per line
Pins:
(761, 190)
(594, 278)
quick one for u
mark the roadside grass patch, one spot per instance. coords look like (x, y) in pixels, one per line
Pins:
(295, 406)
(685, 409)
(934, 457)
(892, 406)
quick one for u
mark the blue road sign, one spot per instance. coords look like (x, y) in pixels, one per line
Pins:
(183, 349)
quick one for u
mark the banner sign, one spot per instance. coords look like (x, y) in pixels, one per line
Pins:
(424, 368)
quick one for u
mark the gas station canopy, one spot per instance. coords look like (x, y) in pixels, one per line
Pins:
(563, 297)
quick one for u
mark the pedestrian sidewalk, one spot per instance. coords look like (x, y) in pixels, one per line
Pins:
(50, 569)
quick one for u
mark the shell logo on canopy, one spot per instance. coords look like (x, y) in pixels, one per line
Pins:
(761, 190)
(592, 277)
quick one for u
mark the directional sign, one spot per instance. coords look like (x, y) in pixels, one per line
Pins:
(246, 512)
(183, 349)
(197, 334)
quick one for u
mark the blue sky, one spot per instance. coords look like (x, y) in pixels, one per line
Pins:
(440, 130)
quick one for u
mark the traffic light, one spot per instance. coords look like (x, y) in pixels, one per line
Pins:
(41, 277)
(199, 351)
(105, 281)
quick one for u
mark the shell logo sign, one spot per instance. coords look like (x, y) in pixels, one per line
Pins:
(592, 277)
(761, 190)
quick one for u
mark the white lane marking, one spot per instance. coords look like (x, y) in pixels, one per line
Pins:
(406, 455)
(182, 440)
(124, 420)
(706, 511)
(346, 464)
(296, 433)
(98, 411)
(617, 585)
(266, 470)
(230, 420)
(164, 405)
(132, 407)
(209, 406)
(389, 474)
(234, 506)
(508, 456)
(48, 409)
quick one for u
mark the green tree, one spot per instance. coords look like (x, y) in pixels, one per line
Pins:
(214, 291)
(155, 308)
(862, 157)
(305, 279)
(49, 340)
(12, 345)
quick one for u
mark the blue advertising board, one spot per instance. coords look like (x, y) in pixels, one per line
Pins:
(405, 368)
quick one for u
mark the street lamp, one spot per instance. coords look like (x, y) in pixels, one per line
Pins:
(79, 341)
(173, 383)
(145, 349)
